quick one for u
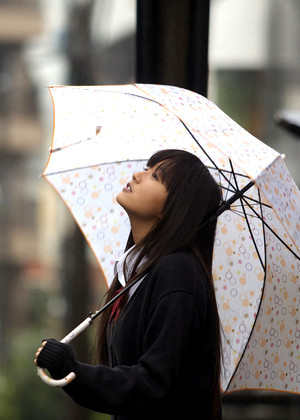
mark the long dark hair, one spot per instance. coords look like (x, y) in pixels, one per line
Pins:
(193, 196)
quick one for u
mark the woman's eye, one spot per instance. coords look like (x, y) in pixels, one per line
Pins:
(155, 176)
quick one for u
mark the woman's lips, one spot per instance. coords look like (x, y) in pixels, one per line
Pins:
(127, 188)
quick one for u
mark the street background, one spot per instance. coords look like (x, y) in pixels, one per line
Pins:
(49, 280)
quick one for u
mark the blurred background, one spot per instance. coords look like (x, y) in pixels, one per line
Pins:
(49, 281)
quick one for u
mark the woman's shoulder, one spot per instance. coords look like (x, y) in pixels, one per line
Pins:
(180, 259)
(179, 271)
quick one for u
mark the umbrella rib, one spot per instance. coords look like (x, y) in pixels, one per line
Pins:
(228, 190)
(234, 190)
(260, 303)
(255, 202)
(253, 239)
(225, 205)
(244, 212)
(241, 214)
(246, 218)
(274, 233)
(66, 146)
(228, 171)
(129, 94)
(204, 151)
(233, 176)
(252, 329)
(91, 166)
(107, 91)
(263, 226)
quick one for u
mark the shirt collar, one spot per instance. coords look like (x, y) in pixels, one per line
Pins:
(119, 266)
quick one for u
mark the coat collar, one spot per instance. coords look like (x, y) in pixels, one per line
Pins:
(130, 262)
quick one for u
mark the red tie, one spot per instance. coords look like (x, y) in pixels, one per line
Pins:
(117, 306)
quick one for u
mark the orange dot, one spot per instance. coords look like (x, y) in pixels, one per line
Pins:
(226, 306)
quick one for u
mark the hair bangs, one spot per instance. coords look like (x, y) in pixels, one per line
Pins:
(170, 165)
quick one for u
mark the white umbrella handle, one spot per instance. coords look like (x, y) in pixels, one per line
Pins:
(81, 327)
(71, 376)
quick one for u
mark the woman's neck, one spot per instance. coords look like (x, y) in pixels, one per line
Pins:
(140, 229)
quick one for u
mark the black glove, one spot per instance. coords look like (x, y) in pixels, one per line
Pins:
(58, 358)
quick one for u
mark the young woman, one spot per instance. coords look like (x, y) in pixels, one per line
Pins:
(159, 347)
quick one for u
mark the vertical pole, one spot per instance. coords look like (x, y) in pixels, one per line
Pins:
(172, 43)
(74, 268)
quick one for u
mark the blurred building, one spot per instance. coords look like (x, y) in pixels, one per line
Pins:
(34, 53)
(20, 143)
(254, 66)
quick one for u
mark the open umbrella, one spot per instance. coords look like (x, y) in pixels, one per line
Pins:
(104, 133)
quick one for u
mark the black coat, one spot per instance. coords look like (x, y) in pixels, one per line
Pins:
(161, 350)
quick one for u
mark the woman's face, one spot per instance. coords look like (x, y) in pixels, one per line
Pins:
(144, 196)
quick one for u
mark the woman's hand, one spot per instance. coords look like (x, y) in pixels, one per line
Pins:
(38, 351)
(58, 358)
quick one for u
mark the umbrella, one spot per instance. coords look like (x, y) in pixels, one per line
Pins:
(104, 133)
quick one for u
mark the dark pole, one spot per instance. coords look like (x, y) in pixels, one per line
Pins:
(75, 279)
(172, 43)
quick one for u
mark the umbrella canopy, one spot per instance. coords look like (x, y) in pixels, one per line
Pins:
(105, 133)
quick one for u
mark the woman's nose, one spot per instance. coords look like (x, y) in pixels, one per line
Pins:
(136, 176)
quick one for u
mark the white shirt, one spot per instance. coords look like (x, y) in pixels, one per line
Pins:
(119, 269)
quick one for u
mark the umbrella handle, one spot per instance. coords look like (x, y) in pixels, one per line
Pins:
(71, 376)
(81, 327)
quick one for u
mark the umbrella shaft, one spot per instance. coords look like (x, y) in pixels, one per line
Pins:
(226, 204)
(74, 333)
(94, 315)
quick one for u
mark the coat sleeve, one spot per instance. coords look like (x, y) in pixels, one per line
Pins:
(176, 319)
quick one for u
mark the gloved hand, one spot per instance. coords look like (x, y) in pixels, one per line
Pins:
(57, 357)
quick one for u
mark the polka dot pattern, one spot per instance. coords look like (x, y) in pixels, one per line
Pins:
(105, 133)
(90, 194)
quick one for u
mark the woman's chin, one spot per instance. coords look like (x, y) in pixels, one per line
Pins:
(120, 199)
